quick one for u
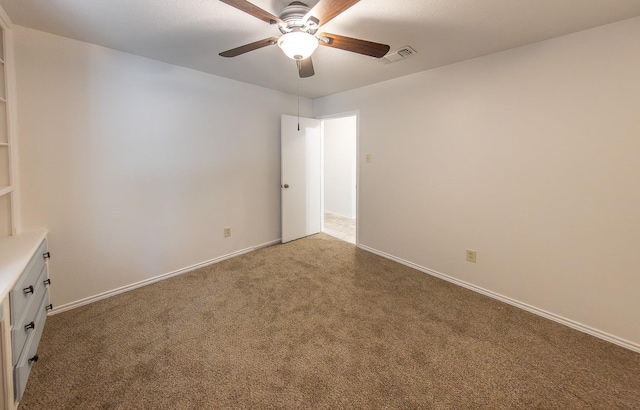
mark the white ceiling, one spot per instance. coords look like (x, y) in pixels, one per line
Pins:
(191, 33)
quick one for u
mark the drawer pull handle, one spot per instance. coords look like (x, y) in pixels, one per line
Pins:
(46, 255)
(33, 359)
(28, 289)
(47, 282)
(30, 326)
(49, 307)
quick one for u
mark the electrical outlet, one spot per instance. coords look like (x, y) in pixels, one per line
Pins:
(227, 232)
(367, 157)
(471, 255)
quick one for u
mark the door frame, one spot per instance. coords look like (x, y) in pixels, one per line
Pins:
(355, 113)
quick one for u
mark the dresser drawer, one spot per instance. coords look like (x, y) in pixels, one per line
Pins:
(20, 331)
(24, 289)
(29, 354)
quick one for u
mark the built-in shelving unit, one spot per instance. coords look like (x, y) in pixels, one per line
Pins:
(15, 248)
(7, 145)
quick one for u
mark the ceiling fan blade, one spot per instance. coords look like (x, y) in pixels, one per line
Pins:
(326, 10)
(249, 47)
(254, 10)
(305, 68)
(355, 45)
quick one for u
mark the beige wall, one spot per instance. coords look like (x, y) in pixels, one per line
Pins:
(136, 166)
(530, 156)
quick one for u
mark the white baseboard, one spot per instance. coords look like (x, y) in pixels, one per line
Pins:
(104, 295)
(540, 312)
(326, 211)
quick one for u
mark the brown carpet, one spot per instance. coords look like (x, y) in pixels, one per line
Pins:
(317, 323)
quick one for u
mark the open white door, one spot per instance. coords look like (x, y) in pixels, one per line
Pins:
(301, 176)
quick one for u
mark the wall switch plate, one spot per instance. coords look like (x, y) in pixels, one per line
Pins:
(471, 255)
(367, 157)
(227, 232)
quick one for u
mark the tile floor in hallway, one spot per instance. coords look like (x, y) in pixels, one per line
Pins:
(340, 227)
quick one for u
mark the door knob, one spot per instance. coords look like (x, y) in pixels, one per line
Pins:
(286, 186)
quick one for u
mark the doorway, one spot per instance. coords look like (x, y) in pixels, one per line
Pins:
(339, 154)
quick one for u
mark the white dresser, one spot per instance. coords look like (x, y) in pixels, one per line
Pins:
(24, 293)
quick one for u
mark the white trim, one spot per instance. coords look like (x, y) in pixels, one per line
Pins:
(328, 211)
(117, 291)
(322, 210)
(345, 114)
(5, 21)
(540, 312)
(11, 98)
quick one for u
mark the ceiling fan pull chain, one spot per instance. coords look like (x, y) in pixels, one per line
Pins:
(298, 103)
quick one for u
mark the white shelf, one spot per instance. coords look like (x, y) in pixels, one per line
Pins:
(8, 205)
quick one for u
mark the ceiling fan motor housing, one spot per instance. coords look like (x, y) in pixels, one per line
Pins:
(293, 15)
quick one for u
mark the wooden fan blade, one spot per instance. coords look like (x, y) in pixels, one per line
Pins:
(355, 45)
(249, 47)
(326, 10)
(305, 68)
(254, 10)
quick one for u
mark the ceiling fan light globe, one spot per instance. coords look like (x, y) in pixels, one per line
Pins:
(298, 45)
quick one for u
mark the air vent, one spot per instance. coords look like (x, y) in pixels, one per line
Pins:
(397, 55)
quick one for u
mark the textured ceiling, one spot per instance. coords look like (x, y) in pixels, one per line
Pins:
(191, 33)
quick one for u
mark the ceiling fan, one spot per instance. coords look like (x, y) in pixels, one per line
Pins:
(299, 24)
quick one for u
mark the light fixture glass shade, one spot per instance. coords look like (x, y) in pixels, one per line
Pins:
(298, 45)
